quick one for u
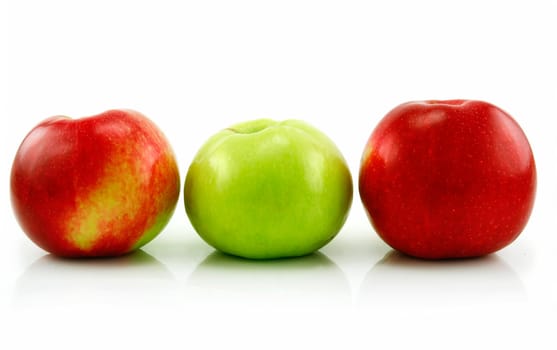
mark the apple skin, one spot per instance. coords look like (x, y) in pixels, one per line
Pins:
(103, 185)
(264, 189)
(448, 179)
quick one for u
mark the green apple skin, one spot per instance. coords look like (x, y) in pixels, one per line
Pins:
(264, 189)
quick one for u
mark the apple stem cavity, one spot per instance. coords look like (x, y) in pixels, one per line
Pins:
(446, 102)
(252, 127)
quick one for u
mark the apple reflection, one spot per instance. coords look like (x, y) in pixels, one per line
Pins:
(312, 281)
(400, 280)
(133, 279)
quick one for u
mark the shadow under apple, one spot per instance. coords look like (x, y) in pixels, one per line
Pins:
(312, 281)
(399, 280)
(133, 279)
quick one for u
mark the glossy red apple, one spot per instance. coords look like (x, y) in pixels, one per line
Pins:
(97, 186)
(448, 179)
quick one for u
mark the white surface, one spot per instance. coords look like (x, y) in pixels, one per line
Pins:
(195, 67)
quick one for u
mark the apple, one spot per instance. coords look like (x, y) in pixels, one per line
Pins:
(103, 185)
(448, 179)
(264, 189)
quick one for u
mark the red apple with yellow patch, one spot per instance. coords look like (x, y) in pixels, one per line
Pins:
(103, 185)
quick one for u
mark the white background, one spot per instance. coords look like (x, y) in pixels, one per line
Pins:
(195, 67)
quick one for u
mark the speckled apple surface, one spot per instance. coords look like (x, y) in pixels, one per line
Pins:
(96, 186)
(448, 179)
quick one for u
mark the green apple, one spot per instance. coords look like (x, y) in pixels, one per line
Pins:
(263, 189)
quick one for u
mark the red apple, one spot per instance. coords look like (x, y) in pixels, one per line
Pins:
(448, 179)
(98, 186)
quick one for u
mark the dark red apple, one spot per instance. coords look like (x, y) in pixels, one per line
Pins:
(97, 186)
(448, 179)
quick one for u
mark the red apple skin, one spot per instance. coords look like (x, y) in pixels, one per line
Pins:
(96, 186)
(448, 179)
